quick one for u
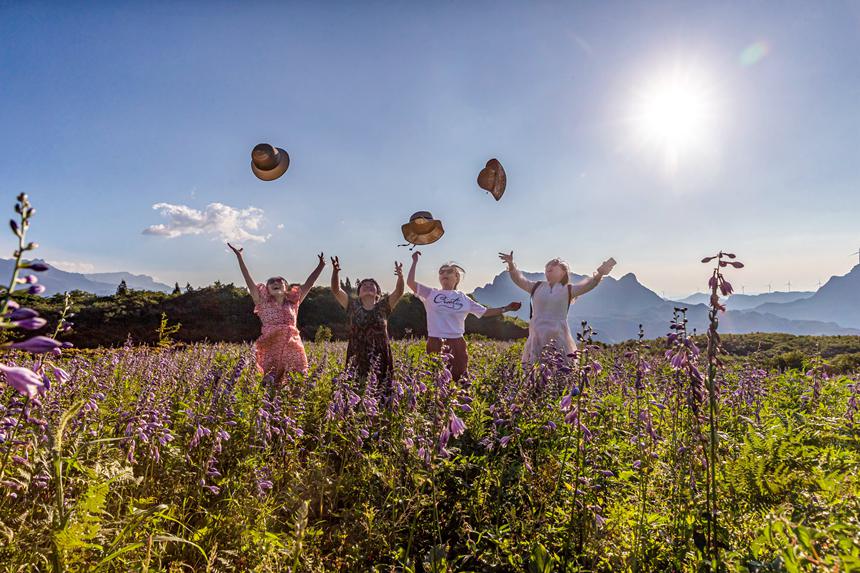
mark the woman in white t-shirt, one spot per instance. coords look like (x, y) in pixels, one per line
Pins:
(447, 309)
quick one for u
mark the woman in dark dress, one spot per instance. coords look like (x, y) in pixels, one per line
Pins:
(368, 323)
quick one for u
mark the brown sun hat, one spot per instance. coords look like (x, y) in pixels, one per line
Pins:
(268, 163)
(422, 229)
(492, 178)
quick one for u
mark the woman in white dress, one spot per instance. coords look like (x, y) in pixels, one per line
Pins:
(551, 300)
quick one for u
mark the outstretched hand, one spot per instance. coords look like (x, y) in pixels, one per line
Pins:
(321, 257)
(606, 267)
(335, 264)
(235, 250)
(507, 258)
(415, 256)
(513, 306)
(398, 269)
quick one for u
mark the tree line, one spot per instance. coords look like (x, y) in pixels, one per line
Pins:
(223, 313)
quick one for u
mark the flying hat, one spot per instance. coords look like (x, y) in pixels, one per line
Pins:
(268, 163)
(493, 179)
(422, 229)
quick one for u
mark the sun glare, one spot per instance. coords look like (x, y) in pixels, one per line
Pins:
(675, 115)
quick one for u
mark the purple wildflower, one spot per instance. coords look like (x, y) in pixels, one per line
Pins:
(456, 425)
(37, 345)
(21, 314)
(24, 380)
(34, 323)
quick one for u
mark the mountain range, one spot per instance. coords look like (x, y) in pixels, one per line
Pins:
(617, 307)
(58, 281)
(740, 301)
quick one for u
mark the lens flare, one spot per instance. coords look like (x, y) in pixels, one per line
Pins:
(754, 53)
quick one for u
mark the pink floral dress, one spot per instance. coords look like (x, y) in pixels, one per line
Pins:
(279, 348)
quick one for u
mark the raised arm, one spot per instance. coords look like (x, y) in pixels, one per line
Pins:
(410, 280)
(515, 273)
(306, 288)
(339, 295)
(588, 284)
(249, 282)
(394, 297)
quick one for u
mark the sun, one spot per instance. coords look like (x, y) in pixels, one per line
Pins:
(675, 115)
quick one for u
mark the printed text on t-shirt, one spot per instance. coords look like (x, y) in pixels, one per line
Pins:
(453, 303)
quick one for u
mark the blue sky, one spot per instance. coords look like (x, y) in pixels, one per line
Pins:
(386, 108)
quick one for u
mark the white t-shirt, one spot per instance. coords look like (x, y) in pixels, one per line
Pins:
(447, 311)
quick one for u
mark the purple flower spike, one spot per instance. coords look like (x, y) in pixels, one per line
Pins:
(24, 380)
(38, 267)
(37, 345)
(36, 289)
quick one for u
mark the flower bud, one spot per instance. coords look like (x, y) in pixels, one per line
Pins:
(37, 345)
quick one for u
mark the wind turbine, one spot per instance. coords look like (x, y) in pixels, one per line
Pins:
(857, 253)
(768, 287)
(789, 286)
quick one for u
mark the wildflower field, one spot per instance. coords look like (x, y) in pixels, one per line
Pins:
(143, 459)
(640, 457)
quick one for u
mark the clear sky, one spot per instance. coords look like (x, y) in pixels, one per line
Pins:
(119, 117)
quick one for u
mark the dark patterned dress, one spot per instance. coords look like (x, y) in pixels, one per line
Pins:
(368, 338)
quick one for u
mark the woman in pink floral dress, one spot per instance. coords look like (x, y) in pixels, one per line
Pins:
(279, 348)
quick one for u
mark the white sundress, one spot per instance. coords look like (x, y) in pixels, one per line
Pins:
(550, 305)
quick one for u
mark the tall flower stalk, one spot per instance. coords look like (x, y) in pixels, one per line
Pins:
(716, 282)
(29, 383)
(644, 429)
(576, 416)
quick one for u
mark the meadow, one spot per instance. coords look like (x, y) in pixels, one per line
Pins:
(153, 459)
(648, 456)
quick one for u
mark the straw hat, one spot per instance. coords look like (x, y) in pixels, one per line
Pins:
(268, 163)
(493, 179)
(422, 229)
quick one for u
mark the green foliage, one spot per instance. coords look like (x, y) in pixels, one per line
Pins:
(323, 334)
(166, 331)
(224, 313)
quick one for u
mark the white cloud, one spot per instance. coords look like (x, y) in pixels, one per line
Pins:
(218, 220)
(73, 266)
(280, 225)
